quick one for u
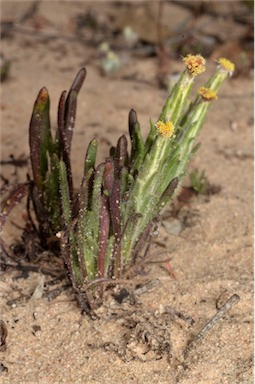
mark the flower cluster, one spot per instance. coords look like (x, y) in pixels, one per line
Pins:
(226, 65)
(195, 64)
(207, 94)
(165, 129)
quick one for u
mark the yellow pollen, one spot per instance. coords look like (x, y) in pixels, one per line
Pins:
(195, 64)
(165, 129)
(226, 65)
(207, 94)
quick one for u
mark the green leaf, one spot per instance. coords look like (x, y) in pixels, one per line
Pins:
(65, 198)
(150, 138)
(90, 158)
(137, 145)
(168, 193)
(96, 198)
(52, 192)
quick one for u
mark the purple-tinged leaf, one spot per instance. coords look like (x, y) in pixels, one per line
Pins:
(40, 137)
(108, 177)
(96, 198)
(14, 197)
(69, 122)
(79, 80)
(67, 162)
(71, 104)
(104, 226)
(121, 155)
(61, 122)
(132, 121)
(45, 227)
(115, 202)
(142, 241)
(70, 114)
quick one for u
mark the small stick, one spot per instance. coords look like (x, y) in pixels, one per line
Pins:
(206, 328)
(146, 287)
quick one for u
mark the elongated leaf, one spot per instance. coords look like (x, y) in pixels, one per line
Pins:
(90, 158)
(124, 180)
(150, 138)
(40, 208)
(79, 80)
(66, 252)
(84, 196)
(86, 242)
(65, 197)
(143, 240)
(66, 135)
(40, 137)
(69, 247)
(89, 246)
(127, 237)
(132, 121)
(96, 198)
(71, 104)
(121, 155)
(70, 114)
(115, 204)
(66, 131)
(109, 257)
(108, 178)
(13, 198)
(53, 197)
(168, 192)
(104, 226)
(137, 145)
(61, 122)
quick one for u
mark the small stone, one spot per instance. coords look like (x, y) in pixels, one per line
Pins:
(173, 226)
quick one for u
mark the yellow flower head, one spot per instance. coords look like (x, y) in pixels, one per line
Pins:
(165, 129)
(207, 94)
(226, 66)
(195, 64)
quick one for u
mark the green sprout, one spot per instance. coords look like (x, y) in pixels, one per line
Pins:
(199, 181)
(107, 225)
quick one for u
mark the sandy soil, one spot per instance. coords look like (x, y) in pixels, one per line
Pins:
(210, 259)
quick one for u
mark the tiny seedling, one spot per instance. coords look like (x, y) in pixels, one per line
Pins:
(198, 180)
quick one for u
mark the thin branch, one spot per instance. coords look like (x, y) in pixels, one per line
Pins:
(215, 319)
